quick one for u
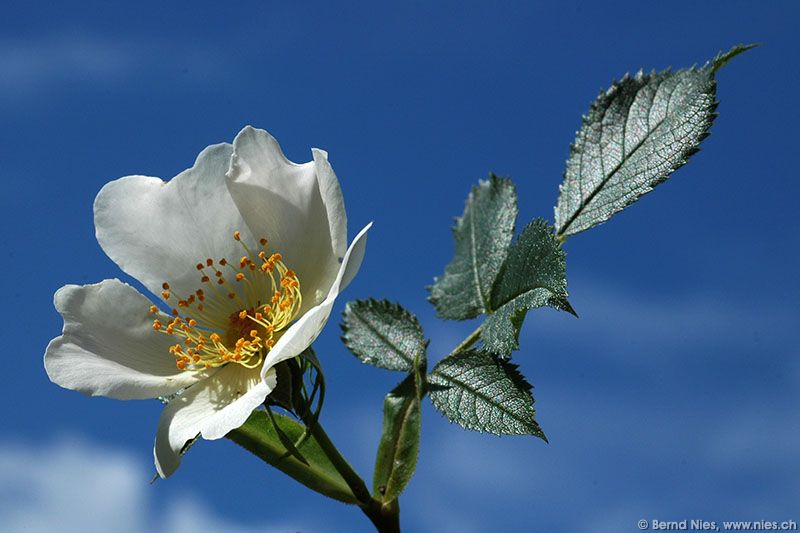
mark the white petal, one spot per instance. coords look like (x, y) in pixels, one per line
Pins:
(157, 231)
(302, 333)
(109, 347)
(332, 197)
(298, 208)
(210, 408)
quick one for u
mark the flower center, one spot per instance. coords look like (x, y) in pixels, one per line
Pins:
(238, 316)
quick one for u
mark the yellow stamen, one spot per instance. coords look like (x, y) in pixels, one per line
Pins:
(233, 322)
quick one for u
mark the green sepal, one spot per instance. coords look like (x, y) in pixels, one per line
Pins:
(271, 437)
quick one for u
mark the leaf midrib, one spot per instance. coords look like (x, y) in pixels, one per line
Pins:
(482, 396)
(625, 159)
(474, 261)
(383, 338)
(395, 448)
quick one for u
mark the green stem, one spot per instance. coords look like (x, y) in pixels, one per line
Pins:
(385, 518)
(469, 341)
(349, 475)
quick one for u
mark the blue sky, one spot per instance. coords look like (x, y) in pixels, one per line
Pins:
(673, 396)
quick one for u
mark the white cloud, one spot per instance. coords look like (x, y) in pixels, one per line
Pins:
(36, 65)
(620, 323)
(28, 63)
(72, 486)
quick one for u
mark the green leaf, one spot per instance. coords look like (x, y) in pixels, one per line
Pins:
(483, 393)
(635, 135)
(723, 57)
(482, 236)
(383, 334)
(271, 438)
(534, 275)
(399, 446)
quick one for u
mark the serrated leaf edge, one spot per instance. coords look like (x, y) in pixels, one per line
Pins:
(393, 306)
(516, 377)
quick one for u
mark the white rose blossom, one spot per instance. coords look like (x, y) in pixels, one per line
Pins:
(248, 252)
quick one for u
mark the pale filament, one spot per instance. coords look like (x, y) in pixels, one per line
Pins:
(235, 319)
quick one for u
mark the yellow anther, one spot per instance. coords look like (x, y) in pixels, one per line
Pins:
(227, 339)
(237, 235)
(165, 286)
